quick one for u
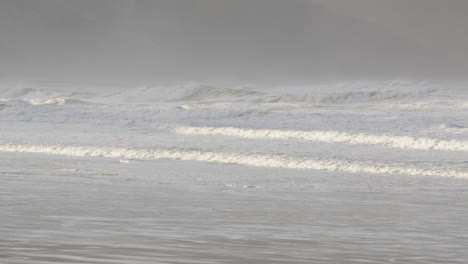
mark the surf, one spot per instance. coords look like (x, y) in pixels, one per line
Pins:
(246, 159)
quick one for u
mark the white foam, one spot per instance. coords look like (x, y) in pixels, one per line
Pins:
(256, 160)
(402, 142)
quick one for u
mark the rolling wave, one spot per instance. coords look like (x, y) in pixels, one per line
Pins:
(402, 142)
(359, 92)
(213, 93)
(247, 159)
(335, 93)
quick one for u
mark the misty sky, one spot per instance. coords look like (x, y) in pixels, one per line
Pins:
(145, 42)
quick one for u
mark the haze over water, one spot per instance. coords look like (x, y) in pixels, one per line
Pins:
(129, 43)
(233, 131)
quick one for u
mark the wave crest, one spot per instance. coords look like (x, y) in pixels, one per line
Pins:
(402, 142)
(246, 159)
(359, 92)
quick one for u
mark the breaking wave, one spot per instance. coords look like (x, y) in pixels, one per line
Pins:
(322, 94)
(44, 97)
(317, 94)
(402, 142)
(255, 160)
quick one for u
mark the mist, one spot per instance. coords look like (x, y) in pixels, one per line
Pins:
(146, 42)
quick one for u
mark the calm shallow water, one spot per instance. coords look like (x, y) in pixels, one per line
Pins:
(70, 210)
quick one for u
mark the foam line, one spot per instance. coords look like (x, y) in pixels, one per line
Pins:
(402, 142)
(256, 160)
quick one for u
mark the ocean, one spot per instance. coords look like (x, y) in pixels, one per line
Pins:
(355, 172)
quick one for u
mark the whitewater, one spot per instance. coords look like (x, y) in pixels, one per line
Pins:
(197, 173)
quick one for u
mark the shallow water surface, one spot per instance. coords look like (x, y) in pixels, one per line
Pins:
(158, 212)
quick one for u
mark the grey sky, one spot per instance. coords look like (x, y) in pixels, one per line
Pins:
(138, 42)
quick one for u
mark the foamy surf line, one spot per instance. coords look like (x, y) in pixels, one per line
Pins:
(402, 142)
(255, 160)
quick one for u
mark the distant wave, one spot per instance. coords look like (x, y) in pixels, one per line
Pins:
(354, 92)
(44, 97)
(213, 93)
(402, 142)
(256, 160)
(317, 94)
